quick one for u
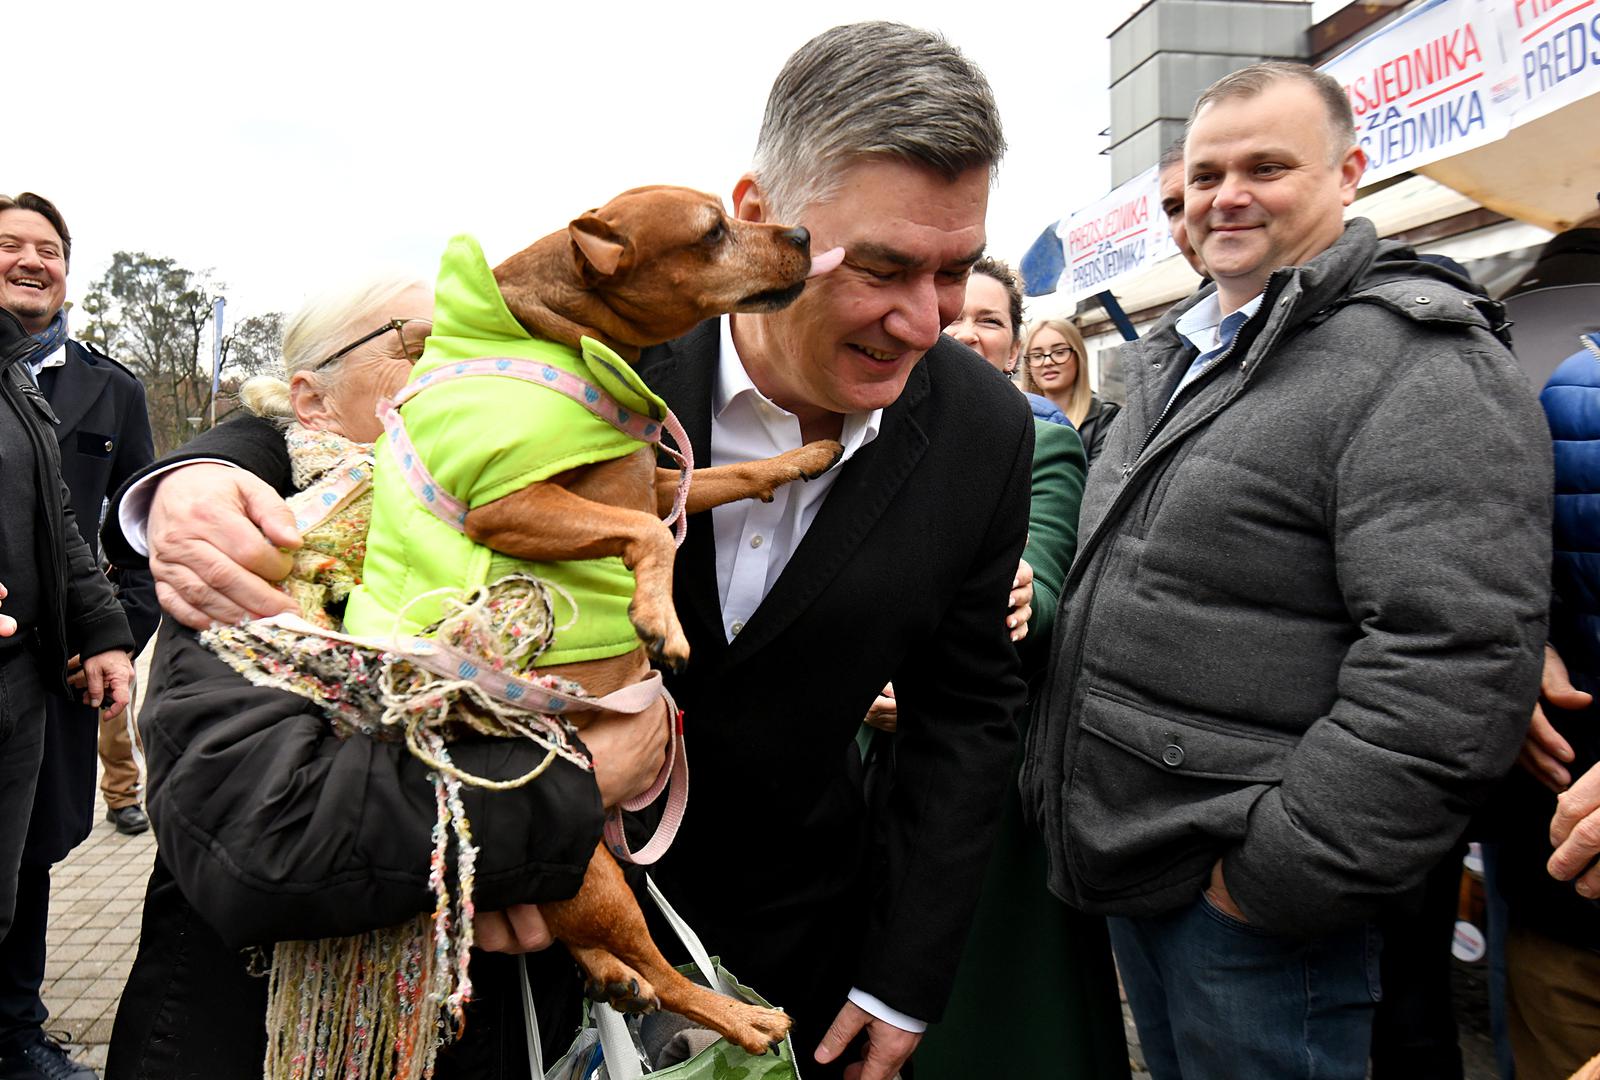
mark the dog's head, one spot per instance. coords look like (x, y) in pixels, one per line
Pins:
(659, 260)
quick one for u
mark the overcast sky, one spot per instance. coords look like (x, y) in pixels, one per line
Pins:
(286, 145)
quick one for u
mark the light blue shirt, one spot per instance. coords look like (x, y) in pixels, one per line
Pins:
(1204, 327)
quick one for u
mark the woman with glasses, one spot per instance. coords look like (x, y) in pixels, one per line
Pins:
(271, 828)
(1053, 357)
(1036, 993)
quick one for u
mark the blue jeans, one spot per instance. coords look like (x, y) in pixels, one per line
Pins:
(1218, 999)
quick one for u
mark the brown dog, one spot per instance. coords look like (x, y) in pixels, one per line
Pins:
(645, 268)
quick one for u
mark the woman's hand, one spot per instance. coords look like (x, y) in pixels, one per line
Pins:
(628, 753)
(1020, 608)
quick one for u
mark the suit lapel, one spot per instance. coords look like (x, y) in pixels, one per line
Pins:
(78, 386)
(866, 486)
(686, 380)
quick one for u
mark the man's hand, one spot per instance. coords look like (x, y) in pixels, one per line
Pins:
(518, 929)
(108, 675)
(888, 1047)
(1020, 609)
(1575, 834)
(1217, 893)
(1545, 753)
(628, 753)
(884, 714)
(216, 535)
(8, 625)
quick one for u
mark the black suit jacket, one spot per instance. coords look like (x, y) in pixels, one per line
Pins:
(104, 435)
(903, 576)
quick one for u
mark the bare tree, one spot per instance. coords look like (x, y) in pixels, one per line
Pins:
(151, 314)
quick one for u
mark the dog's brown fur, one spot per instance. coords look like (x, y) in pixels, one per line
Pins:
(645, 268)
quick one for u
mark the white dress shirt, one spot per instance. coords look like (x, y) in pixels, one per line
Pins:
(755, 540)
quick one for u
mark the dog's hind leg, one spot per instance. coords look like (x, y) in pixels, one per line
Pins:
(604, 925)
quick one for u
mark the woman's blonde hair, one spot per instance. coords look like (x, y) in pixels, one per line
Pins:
(324, 324)
(1077, 406)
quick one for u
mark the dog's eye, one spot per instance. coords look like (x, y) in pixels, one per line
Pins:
(715, 235)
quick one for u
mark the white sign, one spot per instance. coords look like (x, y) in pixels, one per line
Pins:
(1553, 50)
(1122, 235)
(1427, 87)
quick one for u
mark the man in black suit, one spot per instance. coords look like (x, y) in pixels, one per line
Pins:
(104, 438)
(898, 565)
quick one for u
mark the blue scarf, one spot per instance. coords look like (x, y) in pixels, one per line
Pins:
(53, 336)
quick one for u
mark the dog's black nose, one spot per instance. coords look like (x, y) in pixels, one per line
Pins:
(799, 236)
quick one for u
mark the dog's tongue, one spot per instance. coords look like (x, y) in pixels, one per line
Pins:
(828, 260)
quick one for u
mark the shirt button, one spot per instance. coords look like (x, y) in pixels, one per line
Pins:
(755, 541)
(738, 624)
(1172, 755)
(108, 446)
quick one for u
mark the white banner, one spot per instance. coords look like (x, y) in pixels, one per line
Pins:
(1553, 51)
(1122, 235)
(1427, 87)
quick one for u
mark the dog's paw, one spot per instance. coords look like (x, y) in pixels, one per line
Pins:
(815, 458)
(756, 1029)
(635, 996)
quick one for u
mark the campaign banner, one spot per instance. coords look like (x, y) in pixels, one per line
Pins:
(1426, 87)
(1553, 51)
(1118, 237)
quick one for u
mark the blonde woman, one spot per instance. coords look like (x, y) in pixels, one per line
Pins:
(1053, 366)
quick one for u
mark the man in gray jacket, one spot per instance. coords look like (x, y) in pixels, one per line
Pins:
(1304, 626)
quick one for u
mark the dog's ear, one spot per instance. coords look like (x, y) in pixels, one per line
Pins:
(597, 248)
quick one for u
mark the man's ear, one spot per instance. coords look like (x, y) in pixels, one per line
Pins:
(597, 249)
(308, 401)
(1351, 169)
(749, 203)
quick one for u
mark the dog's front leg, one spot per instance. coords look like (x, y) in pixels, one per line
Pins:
(748, 479)
(546, 522)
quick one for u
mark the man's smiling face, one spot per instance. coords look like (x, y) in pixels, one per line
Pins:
(33, 268)
(849, 343)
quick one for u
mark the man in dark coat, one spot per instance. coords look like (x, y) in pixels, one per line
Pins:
(34, 249)
(897, 565)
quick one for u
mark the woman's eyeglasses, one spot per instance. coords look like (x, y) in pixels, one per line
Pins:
(411, 346)
(1057, 355)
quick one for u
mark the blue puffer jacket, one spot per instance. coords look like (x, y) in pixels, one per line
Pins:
(1521, 817)
(1571, 401)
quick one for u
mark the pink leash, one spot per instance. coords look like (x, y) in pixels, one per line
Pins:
(674, 776)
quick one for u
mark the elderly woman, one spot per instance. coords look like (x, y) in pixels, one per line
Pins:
(271, 828)
(1036, 993)
(1054, 358)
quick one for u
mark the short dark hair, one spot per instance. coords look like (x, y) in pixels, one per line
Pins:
(873, 90)
(1250, 81)
(991, 267)
(47, 210)
(1172, 155)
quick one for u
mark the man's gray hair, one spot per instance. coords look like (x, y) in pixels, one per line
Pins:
(1252, 80)
(872, 90)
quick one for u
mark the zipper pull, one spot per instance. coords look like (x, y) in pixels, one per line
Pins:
(1127, 469)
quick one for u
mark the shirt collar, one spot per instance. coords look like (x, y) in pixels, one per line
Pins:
(734, 383)
(1204, 326)
(58, 358)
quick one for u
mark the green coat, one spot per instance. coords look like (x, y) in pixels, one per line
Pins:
(482, 438)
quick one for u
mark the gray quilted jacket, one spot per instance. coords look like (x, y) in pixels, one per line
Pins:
(1304, 629)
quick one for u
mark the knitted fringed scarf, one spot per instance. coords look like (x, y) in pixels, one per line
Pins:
(379, 1005)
